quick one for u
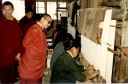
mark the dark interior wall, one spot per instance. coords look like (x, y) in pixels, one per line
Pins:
(69, 1)
(0, 7)
(30, 4)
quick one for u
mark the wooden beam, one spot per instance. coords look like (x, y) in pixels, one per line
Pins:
(110, 4)
(117, 53)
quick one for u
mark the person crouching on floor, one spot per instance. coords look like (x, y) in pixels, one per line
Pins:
(65, 69)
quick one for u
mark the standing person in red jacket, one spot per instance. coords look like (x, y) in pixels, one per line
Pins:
(26, 21)
(10, 44)
(33, 60)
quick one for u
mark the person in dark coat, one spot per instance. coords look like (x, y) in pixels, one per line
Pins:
(26, 21)
(65, 69)
(59, 48)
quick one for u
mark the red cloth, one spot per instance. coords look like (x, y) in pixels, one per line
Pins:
(33, 60)
(10, 41)
(25, 23)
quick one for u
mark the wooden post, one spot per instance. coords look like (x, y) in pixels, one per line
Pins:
(84, 4)
(45, 3)
(57, 11)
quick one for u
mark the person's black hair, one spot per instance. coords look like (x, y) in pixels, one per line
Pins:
(77, 42)
(70, 42)
(8, 3)
(28, 10)
(58, 27)
(59, 37)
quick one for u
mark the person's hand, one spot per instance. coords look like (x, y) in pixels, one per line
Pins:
(18, 56)
(81, 55)
(95, 73)
(90, 66)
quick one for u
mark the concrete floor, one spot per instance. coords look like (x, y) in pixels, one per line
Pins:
(47, 75)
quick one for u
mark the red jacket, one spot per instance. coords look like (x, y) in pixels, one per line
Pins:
(33, 59)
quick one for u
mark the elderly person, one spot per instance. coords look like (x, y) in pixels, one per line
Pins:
(33, 60)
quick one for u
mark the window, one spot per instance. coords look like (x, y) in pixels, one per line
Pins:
(19, 5)
(40, 7)
(62, 4)
(51, 9)
(62, 11)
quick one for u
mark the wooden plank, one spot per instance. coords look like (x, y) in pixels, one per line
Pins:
(84, 4)
(110, 54)
(124, 40)
(81, 19)
(111, 4)
(98, 17)
(88, 22)
(98, 55)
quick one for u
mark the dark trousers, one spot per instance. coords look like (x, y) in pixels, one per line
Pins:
(8, 74)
